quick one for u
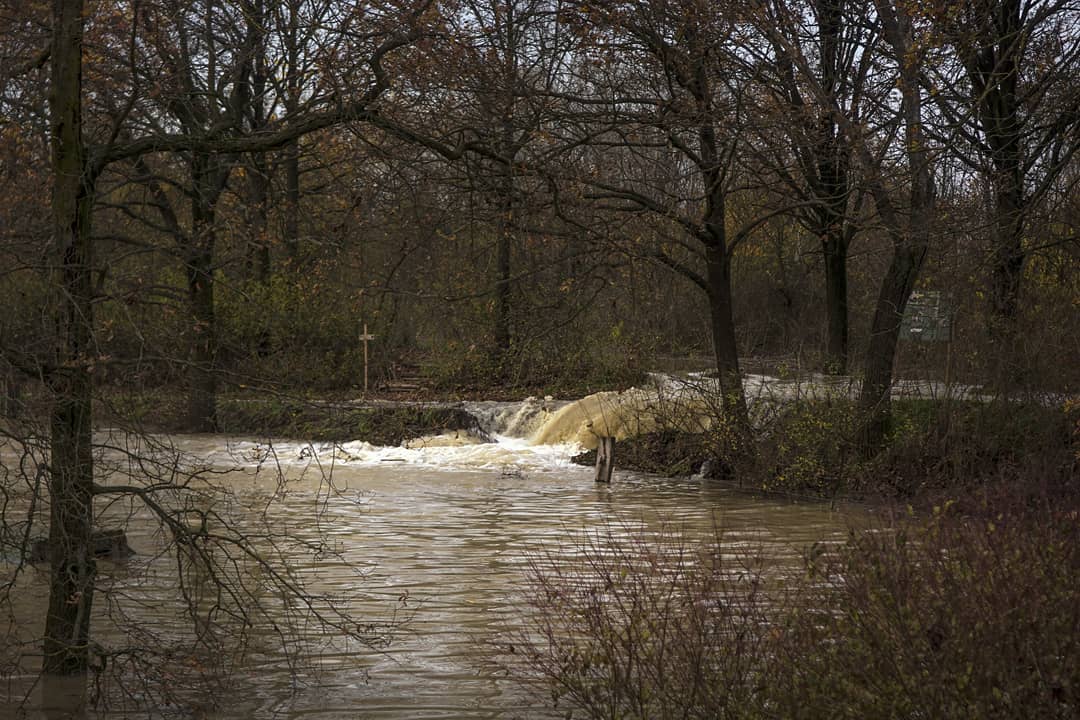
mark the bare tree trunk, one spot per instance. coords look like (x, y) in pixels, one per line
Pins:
(725, 345)
(510, 31)
(258, 176)
(1008, 233)
(258, 252)
(71, 581)
(718, 267)
(208, 179)
(836, 300)
(503, 336)
(1000, 113)
(505, 229)
(1008, 271)
(291, 152)
(833, 168)
(880, 359)
(910, 232)
(992, 61)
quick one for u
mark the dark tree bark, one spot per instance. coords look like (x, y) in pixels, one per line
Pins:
(834, 246)
(291, 152)
(725, 345)
(832, 181)
(504, 338)
(909, 230)
(718, 254)
(72, 570)
(992, 62)
(209, 174)
(503, 330)
(258, 198)
(258, 170)
(815, 159)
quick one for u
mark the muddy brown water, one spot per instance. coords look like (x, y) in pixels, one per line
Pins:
(440, 533)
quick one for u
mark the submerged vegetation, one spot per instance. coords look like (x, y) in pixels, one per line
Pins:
(946, 616)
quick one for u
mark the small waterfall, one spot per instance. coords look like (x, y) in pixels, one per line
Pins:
(547, 422)
(603, 414)
(514, 419)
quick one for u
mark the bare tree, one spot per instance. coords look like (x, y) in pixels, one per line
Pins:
(70, 365)
(1009, 110)
(71, 467)
(799, 138)
(665, 95)
(908, 222)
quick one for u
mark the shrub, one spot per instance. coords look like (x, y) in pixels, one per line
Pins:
(563, 366)
(297, 331)
(953, 445)
(633, 625)
(949, 618)
(938, 617)
(811, 449)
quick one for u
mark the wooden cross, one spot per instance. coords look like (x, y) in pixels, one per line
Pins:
(366, 337)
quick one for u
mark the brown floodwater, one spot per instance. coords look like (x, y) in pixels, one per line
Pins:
(439, 534)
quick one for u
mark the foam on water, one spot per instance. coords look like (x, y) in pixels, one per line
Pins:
(534, 435)
(443, 452)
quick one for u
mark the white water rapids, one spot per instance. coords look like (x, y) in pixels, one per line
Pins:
(542, 434)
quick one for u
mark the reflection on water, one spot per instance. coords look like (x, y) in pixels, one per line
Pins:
(448, 546)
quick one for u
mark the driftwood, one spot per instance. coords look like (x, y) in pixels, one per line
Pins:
(111, 543)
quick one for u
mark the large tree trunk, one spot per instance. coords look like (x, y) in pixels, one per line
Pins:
(503, 336)
(909, 230)
(992, 62)
(71, 582)
(1008, 248)
(1000, 117)
(725, 345)
(291, 153)
(508, 27)
(208, 180)
(258, 251)
(505, 230)
(718, 273)
(893, 296)
(834, 246)
(833, 167)
(1008, 271)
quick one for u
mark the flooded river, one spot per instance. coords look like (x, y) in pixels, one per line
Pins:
(438, 533)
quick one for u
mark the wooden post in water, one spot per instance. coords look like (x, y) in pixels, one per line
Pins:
(605, 459)
(366, 337)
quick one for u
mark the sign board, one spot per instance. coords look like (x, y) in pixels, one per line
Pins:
(926, 318)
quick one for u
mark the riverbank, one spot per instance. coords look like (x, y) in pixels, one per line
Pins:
(379, 420)
(935, 449)
(805, 447)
